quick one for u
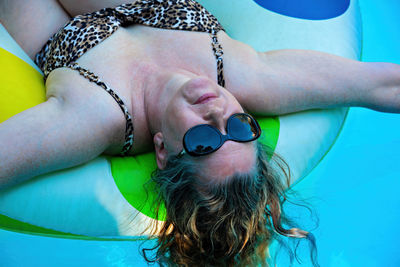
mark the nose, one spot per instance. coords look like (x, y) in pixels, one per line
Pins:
(215, 117)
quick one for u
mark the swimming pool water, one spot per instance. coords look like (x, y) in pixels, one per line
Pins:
(355, 188)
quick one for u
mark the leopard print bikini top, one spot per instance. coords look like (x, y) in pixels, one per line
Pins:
(86, 31)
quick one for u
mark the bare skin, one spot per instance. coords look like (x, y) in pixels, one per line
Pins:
(153, 70)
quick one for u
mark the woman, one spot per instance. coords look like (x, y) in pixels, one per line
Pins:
(166, 82)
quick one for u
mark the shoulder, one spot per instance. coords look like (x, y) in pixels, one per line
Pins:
(243, 69)
(82, 98)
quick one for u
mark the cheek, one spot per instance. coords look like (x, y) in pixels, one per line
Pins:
(234, 103)
(177, 119)
(180, 116)
(175, 116)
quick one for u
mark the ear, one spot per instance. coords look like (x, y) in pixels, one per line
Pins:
(161, 152)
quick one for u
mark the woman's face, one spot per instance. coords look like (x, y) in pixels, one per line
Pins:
(199, 100)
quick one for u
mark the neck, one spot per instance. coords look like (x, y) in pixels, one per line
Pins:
(154, 83)
(159, 86)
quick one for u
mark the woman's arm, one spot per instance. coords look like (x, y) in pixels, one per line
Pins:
(77, 123)
(32, 22)
(286, 81)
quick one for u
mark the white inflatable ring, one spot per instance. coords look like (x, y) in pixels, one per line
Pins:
(95, 200)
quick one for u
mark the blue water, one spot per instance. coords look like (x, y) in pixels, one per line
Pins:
(355, 189)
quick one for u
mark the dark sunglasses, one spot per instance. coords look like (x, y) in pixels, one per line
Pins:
(204, 139)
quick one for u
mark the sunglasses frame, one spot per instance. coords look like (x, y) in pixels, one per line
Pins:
(223, 137)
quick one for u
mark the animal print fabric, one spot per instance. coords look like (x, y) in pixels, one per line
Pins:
(86, 31)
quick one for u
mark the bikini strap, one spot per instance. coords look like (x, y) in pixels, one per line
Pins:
(95, 79)
(218, 53)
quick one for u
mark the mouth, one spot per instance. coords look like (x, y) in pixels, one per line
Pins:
(205, 98)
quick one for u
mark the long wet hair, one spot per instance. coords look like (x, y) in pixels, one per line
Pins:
(226, 223)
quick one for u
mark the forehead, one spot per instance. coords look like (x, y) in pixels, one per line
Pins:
(231, 158)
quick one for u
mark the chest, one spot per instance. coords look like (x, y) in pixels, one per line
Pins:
(118, 57)
(121, 60)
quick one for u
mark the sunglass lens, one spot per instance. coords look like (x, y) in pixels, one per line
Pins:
(202, 139)
(242, 128)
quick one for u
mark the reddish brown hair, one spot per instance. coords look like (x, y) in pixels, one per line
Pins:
(230, 223)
